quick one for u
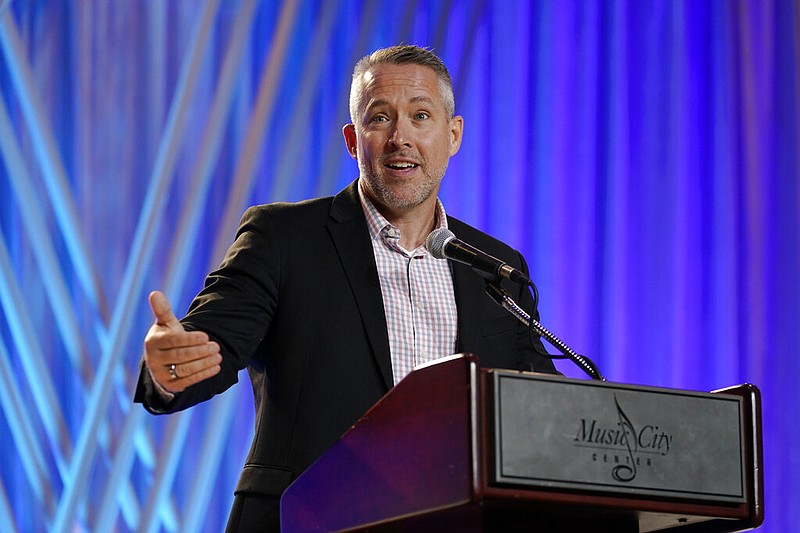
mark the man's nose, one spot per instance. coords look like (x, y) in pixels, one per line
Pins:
(401, 134)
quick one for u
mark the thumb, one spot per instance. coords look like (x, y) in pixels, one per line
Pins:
(162, 310)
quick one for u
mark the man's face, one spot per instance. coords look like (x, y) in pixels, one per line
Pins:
(402, 138)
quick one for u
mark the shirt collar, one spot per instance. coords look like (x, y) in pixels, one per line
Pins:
(378, 225)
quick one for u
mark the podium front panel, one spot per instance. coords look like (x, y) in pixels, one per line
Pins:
(619, 439)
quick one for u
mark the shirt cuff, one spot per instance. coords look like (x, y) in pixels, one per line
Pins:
(163, 393)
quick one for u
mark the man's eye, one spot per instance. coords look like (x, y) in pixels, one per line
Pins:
(421, 116)
(378, 118)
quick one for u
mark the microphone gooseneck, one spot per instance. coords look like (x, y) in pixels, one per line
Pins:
(443, 244)
(504, 300)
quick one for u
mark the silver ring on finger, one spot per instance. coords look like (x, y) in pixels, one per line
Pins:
(173, 373)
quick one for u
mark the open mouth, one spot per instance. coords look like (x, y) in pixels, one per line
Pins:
(401, 165)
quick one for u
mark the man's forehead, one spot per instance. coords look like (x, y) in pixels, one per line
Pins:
(417, 81)
(392, 71)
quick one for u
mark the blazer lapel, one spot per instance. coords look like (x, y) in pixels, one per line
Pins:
(469, 289)
(350, 236)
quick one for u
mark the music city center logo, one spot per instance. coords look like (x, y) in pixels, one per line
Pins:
(624, 445)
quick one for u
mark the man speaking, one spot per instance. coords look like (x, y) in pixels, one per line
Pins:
(330, 302)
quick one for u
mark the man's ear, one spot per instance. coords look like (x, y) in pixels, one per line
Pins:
(456, 133)
(349, 132)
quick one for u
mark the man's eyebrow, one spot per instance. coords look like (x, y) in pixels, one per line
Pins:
(415, 99)
(422, 98)
(428, 102)
(376, 103)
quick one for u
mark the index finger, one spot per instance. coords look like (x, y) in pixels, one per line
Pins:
(169, 340)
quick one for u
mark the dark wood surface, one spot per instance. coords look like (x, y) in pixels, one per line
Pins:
(420, 461)
(410, 454)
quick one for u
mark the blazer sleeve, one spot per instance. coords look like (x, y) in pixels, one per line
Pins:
(235, 308)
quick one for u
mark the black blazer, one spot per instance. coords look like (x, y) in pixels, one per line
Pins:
(297, 302)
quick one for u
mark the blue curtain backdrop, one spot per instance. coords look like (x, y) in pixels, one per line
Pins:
(642, 154)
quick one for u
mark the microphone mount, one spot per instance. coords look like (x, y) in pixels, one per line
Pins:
(503, 298)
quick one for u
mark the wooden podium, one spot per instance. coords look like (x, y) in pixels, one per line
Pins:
(454, 447)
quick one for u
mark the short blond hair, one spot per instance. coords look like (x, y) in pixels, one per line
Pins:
(403, 54)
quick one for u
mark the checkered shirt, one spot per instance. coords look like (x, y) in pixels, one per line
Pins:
(418, 297)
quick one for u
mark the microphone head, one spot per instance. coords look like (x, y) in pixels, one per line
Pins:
(436, 241)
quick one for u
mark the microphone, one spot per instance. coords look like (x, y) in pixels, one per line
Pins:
(443, 244)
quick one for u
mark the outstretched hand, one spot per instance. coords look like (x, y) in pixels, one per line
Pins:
(175, 357)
